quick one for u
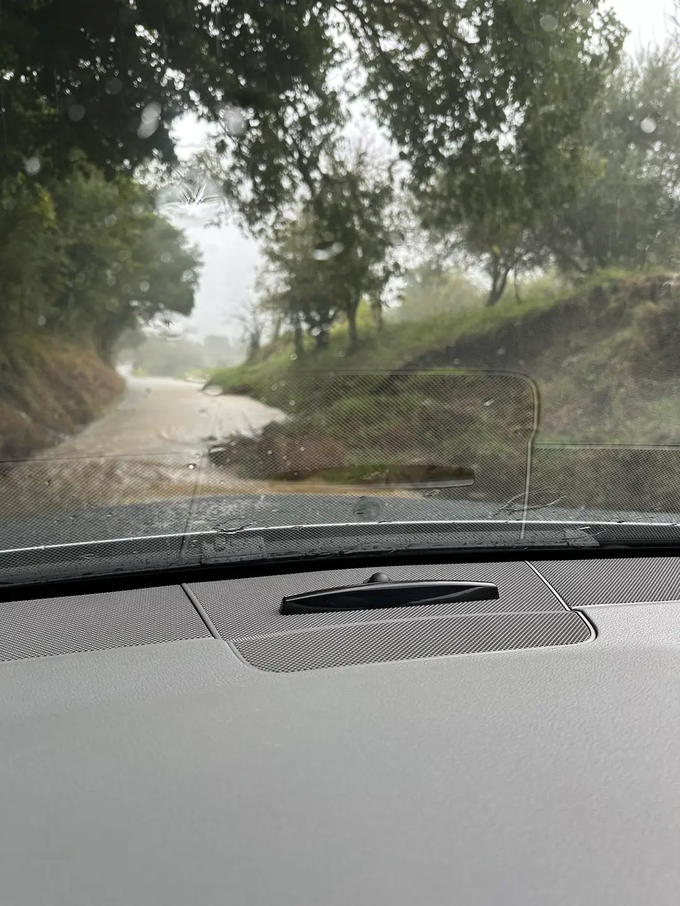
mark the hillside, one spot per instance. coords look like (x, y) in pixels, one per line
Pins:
(49, 389)
(603, 358)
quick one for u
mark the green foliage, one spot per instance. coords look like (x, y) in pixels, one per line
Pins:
(334, 251)
(164, 357)
(432, 290)
(89, 258)
(510, 148)
(485, 98)
(629, 215)
(80, 75)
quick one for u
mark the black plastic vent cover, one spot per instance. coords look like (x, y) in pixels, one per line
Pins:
(246, 607)
(49, 626)
(340, 646)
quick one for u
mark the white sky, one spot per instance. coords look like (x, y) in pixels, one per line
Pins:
(230, 258)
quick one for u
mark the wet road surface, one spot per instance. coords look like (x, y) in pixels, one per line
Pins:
(152, 445)
(159, 417)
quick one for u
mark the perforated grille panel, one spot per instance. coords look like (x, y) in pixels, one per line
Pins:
(49, 626)
(584, 583)
(408, 640)
(247, 607)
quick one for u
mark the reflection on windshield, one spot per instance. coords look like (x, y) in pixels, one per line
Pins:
(358, 261)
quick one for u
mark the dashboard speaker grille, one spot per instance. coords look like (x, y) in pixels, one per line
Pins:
(49, 626)
(248, 607)
(587, 583)
(341, 646)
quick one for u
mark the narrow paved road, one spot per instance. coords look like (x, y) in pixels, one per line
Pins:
(162, 417)
(151, 445)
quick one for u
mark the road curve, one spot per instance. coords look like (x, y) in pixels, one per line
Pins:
(151, 445)
(162, 417)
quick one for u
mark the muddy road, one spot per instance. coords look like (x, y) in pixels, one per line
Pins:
(152, 445)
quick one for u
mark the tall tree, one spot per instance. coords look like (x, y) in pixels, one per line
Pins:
(630, 214)
(338, 248)
(89, 257)
(462, 85)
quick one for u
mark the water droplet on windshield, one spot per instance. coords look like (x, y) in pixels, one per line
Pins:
(110, 220)
(293, 356)
(192, 465)
(324, 254)
(151, 120)
(116, 268)
(147, 391)
(583, 9)
(193, 201)
(42, 320)
(166, 257)
(368, 508)
(291, 403)
(144, 286)
(233, 118)
(113, 86)
(548, 23)
(32, 165)
(137, 209)
(648, 125)
(76, 112)
(488, 403)
(111, 281)
(165, 327)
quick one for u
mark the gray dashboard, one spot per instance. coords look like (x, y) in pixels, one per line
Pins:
(147, 756)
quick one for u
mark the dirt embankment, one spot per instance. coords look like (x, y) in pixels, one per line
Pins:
(50, 390)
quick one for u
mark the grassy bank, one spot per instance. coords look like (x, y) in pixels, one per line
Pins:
(603, 358)
(49, 389)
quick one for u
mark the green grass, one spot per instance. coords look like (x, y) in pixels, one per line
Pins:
(604, 354)
(274, 375)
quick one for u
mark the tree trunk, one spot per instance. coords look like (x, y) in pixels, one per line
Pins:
(352, 326)
(500, 278)
(278, 326)
(378, 314)
(298, 339)
(321, 339)
(518, 297)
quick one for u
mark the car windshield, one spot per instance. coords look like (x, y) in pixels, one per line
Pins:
(377, 265)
